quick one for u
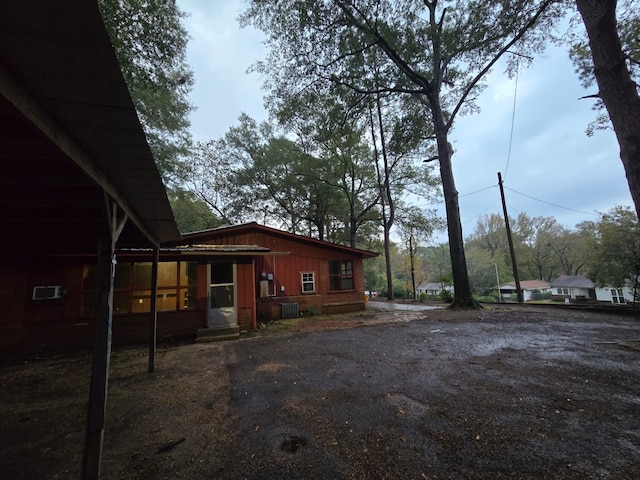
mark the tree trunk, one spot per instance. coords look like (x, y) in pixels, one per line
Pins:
(617, 89)
(463, 297)
(413, 268)
(383, 185)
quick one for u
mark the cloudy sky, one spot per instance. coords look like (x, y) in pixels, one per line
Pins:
(552, 168)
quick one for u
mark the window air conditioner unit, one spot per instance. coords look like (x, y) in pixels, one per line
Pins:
(47, 293)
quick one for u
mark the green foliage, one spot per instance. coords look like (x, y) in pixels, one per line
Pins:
(191, 213)
(150, 43)
(401, 293)
(614, 258)
(374, 279)
(544, 249)
(606, 250)
(445, 296)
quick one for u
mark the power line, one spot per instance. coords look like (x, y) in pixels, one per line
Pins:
(513, 121)
(477, 191)
(549, 203)
(483, 211)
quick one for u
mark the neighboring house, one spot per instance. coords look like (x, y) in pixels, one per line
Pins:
(531, 290)
(295, 274)
(433, 289)
(222, 281)
(617, 296)
(571, 288)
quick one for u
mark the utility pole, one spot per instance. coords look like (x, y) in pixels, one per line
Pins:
(498, 283)
(510, 240)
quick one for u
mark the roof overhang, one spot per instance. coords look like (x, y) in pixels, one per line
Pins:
(70, 138)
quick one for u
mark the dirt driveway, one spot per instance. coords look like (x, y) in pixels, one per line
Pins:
(518, 393)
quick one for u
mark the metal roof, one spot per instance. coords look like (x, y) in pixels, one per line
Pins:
(572, 281)
(253, 227)
(69, 134)
(211, 250)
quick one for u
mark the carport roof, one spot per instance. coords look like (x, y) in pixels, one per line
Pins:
(69, 133)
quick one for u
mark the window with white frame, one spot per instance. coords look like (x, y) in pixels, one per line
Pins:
(308, 282)
(617, 296)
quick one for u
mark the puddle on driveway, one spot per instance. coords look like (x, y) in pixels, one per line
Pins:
(408, 307)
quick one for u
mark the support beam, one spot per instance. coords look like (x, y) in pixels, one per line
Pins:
(100, 366)
(153, 320)
(96, 413)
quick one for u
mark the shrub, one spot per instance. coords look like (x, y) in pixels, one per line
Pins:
(445, 296)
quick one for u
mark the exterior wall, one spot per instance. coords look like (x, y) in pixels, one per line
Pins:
(605, 295)
(28, 325)
(577, 295)
(529, 293)
(13, 294)
(286, 270)
(172, 326)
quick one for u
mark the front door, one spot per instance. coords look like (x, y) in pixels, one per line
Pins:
(222, 295)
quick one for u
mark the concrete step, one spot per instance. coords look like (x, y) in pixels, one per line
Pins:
(218, 334)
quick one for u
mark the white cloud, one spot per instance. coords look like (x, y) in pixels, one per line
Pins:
(220, 53)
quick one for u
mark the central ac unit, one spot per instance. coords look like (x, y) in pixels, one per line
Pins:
(47, 293)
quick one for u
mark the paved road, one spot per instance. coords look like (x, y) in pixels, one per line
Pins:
(411, 307)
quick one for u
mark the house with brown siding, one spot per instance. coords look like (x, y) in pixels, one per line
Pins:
(294, 275)
(214, 283)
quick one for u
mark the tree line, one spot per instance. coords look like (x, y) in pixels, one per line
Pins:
(606, 250)
(363, 95)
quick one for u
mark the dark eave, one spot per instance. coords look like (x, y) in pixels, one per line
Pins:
(70, 136)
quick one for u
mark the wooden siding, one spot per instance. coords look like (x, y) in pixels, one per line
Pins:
(28, 325)
(40, 326)
(291, 257)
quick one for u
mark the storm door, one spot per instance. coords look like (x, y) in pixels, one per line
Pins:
(222, 295)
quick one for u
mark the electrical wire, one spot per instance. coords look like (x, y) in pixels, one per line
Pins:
(477, 191)
(478, 215)
(549, 203)
(513, 121)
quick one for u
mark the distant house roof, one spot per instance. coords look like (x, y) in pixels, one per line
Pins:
(527, 285)
(431, 286)
(253, 227)
(572, 281)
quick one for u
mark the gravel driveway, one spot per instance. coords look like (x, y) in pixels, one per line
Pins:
(518, 393)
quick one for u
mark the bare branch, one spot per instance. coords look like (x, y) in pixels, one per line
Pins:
(497, 57)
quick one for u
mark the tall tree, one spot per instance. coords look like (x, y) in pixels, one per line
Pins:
(436, 51)
(151, 43)
(417, 226)
(614, 258)
(536, 236)
(328, 129)
(612, 68)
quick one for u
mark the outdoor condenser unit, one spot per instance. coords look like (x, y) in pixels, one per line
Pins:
(289, 310)
(47, 293)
